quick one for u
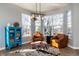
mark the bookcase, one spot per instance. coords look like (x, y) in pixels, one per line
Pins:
(13, 37)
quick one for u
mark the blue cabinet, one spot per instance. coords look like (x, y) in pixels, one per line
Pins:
(13, 37)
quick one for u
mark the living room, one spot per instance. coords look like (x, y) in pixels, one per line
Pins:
(41, 26)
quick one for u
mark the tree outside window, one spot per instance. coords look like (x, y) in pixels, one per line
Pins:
(38, 24)
(26, 25)
(58, 23)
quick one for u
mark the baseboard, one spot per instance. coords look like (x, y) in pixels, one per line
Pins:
(2, 48)
(73, 47)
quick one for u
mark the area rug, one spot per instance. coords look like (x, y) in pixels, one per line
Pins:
(33, 52)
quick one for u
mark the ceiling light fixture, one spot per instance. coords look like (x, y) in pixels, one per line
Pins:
(37, 13)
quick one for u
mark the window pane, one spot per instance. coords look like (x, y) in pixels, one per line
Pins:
(53, 23)
(58, 23)
(38, 24)
(47, 25)
(69, 24)
(26, 25)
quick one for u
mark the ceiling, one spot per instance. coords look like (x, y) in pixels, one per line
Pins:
(45, 7)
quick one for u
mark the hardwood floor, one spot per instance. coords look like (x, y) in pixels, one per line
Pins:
(63, 52)
(69, 52)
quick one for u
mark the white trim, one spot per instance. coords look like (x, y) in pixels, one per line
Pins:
(2, 48)
(73, 47)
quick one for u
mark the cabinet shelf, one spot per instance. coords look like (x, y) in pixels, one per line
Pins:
(13, 37)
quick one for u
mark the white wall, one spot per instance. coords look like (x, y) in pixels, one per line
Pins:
(75, 28)
(8, 14)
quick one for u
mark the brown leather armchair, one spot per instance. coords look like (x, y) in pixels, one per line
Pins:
(59, 41)
(37, 36)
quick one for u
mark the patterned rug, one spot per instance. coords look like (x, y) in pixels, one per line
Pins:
(34, 52)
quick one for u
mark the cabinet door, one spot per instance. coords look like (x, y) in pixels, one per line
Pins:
(11, 36)
(18, 35)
